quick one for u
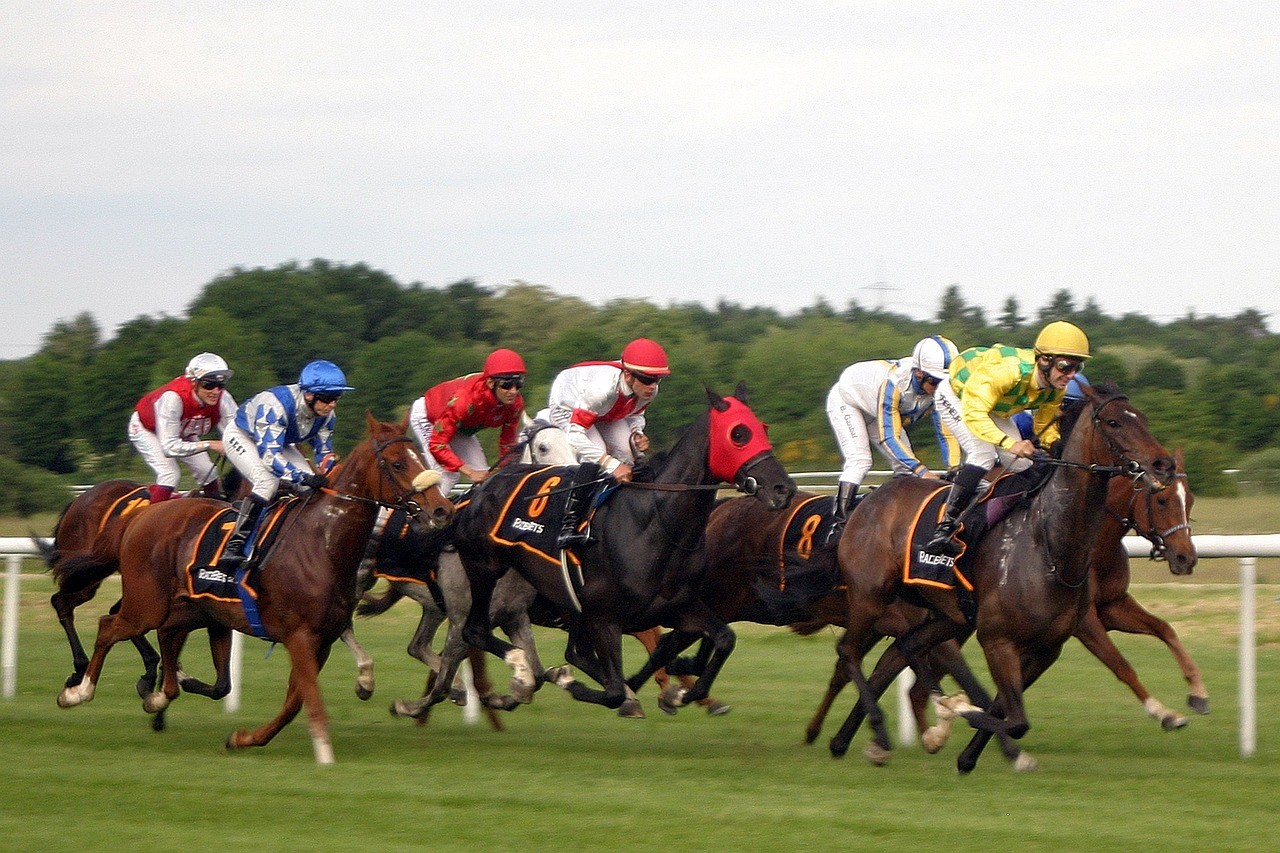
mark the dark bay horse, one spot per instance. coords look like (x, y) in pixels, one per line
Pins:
(636, 574)
(1163, 518)
(745, 562)
(87, 533)
(306, 583)
(1030, 571)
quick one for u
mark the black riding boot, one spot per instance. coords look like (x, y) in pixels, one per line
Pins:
(579, 492)
(233, 554)
(962, 491)
(844, 505)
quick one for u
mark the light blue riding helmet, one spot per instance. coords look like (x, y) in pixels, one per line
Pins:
(323, 377)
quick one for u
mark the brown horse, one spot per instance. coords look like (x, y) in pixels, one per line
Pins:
(745, 564)
(306, 583)
(1030, 571)
(1163, 518)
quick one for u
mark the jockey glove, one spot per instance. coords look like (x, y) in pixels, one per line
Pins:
(315, 481)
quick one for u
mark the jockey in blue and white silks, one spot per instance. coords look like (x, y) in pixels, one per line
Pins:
(262, 442)
(873, 403)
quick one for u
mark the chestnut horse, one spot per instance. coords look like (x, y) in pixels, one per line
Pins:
(637, 572)
(1163, 518)
(1030, 571)
(306, 582)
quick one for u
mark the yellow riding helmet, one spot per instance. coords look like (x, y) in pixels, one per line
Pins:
(1062, 338)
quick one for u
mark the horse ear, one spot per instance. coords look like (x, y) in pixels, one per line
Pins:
(371, 422)
(715, 400)
(404, 422)
(741, 391)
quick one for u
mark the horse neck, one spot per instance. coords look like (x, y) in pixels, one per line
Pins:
(685, 464)
(1072, 509)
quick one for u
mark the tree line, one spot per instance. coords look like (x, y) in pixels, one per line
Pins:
(1207, 383)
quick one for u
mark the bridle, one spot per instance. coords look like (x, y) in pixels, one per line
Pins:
(1129, 468)
(1159, 548)
(404, 499)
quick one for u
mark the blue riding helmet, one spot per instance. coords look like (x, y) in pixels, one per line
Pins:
(323, 377)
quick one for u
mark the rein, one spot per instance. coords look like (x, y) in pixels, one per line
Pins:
(401, 502)
(1156, 537)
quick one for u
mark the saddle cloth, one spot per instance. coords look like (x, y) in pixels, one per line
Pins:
(124, 505)
(205, 579)
(1004, 493)
(531, 518)
(801, 567)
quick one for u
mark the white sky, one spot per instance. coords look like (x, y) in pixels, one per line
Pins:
(767, 153)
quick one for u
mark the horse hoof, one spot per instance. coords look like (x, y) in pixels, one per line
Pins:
(416, 710)
(1199, 704)
(158, 722)
(1024, 763)
(232, 743)
(458, 697)
(1173, 722)
(718, 709)
(145, 686)
(933, 740)
(631, 710)
(363, 693)
(71, 697)
(877, 754)
(560, 676)
(838, 748)
(154, 703)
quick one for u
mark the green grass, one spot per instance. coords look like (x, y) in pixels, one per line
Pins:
(576, 777)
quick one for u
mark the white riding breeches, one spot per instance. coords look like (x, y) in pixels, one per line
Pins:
(976, 451)
(240, 448)
(467, 447)
(166, 467)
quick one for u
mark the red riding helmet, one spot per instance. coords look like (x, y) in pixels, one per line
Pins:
(502, 362)
(645, 356)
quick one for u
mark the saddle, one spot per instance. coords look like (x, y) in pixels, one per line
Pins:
(801, 568)
(124, 505)
(531, 518)
(921, 568)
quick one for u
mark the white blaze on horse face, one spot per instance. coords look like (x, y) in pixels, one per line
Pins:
(1181, 490)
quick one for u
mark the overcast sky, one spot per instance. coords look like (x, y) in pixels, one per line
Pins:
(764, 153)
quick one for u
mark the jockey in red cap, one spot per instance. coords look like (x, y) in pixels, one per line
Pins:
(447, 417)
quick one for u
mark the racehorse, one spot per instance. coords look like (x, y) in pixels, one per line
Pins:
(418, 567)
(306, 581)
(1163, 518)
(1030, 570)
(636, 572)
(93, 521)
(747, 569)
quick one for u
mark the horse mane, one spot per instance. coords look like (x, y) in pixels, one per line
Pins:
(1073, 408)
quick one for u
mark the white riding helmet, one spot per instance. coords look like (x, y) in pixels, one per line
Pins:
(933, 355)
(208, 365)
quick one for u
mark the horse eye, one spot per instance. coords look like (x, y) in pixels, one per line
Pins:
(740, 435)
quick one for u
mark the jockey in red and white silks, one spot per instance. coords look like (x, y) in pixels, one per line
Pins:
(601, 404)
(167, 424)
(447, 417)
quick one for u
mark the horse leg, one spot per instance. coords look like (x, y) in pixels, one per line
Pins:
(595, 647)
(1126, 614)
(484, 687)
(220, 651)
(1007, 713)
(65, 604)
(364, 663)
(306, 660)
(112, 628)
(947, 658)
(519, 631)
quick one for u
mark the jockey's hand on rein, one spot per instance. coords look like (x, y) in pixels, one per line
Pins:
(314, 481)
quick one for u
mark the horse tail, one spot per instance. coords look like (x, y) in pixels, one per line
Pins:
(805, 629)
(371, 606)
(80, 571)
(48, 551)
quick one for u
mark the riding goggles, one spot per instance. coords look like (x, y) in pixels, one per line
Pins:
(326, 396)
(645, 379)
(1067, 365)
(508, 381)
(210, 384)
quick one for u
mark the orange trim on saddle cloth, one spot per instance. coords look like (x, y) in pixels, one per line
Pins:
(806, 534)
(226, 521)
(908, 550)
(132, 501)
(506, 508)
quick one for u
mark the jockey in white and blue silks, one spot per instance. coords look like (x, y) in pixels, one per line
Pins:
(262, 442)
(873, 403)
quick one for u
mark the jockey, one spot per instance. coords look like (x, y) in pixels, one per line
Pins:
(167, 423)
(262, 442)
(873, 402)
(600, 405)
(1073, 394)
(447, 417)
(986, 388)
